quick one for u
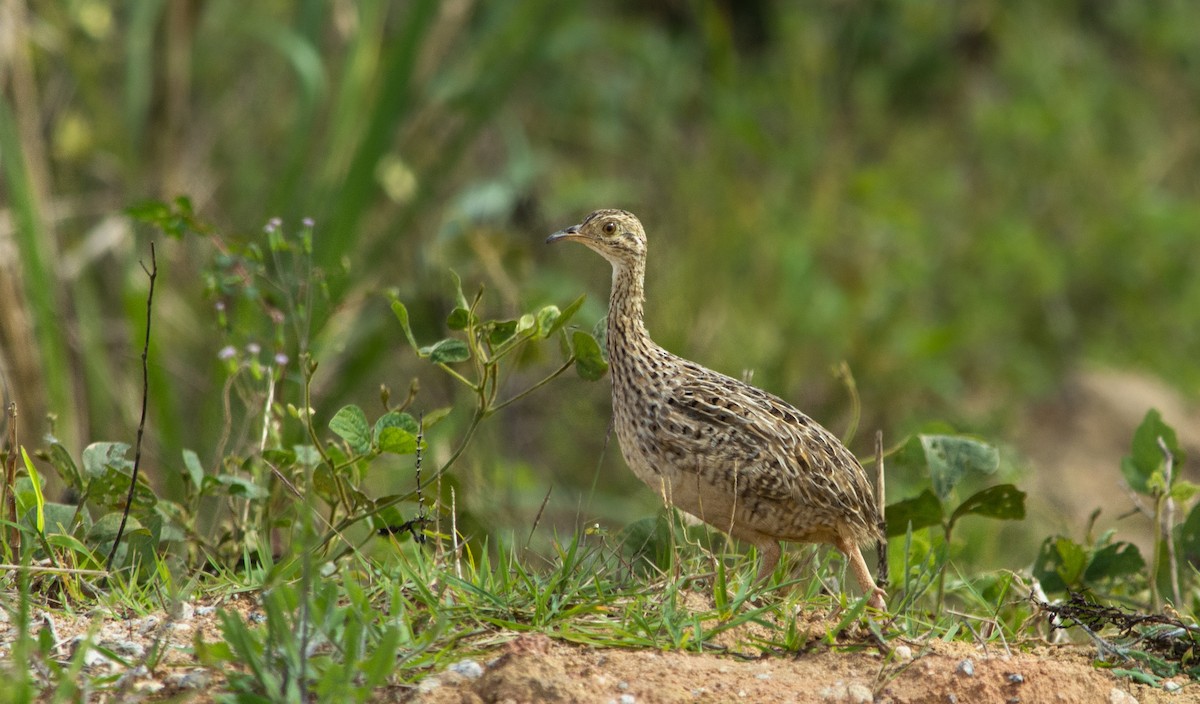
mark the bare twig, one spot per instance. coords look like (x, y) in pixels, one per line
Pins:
(1169, 521)
(881, 499)
(137, 452)
(10, 484)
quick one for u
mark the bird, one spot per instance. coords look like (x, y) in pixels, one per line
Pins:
(738, 458)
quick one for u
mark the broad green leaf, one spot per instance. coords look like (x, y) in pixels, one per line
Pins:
(568, 313)
(589, 362)
(1060, 563)
(547, 318)
(98, 456)
(1116, 560)
(397, 441)
(526, 323)
(1144, 468)
(1183, 491)
(921, 511)
(1004, 501)
(350, 424)
(306, 455)
(501, 331)
(446, 351)
(241, 488)
(396, 419)
(105, 529)
(951, 457)
(402, 315)
(59, 517)
(458, 319)
(194, 470)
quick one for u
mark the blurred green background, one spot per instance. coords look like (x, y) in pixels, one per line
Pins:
(966, 202)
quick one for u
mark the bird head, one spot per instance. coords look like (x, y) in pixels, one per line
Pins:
(615, 234)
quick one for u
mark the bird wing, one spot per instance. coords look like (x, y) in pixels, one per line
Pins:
(783, 454)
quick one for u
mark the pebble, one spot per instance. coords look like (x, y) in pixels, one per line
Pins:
(763, 676)
(1172, 686)
(1015, 678)
(966, 667)
(859, 694)
(205, 610)
(1120, 696)
(626, 699)
(196, 679)
(468, 668)
(902, 653)
(854, 693)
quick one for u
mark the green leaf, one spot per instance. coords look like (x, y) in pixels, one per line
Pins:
(1060, 563)
(306, 455)
(1004, 501)
(194, 470)
(458, 292)
(951, 457)
(1113, 561)
(526, 323)
(99, 456)
(589, 362)
(568, 313)
(350, 423)
(397, 441)
(241, 488)
(396, 419)
(402, 315)
(37, 491)
(458, 319)
(59, 517)
(547, 319)
(501, 331)
(1184, 491)
(921, 511)
(433, 417)
(446, 351)
(1145, 466)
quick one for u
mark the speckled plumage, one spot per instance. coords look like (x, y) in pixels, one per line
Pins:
(734, 456)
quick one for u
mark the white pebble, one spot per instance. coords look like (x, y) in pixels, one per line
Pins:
(626, 699)
(1120, 696)
(468, 668)
(859, 694)
(966, 667)
(902, 653)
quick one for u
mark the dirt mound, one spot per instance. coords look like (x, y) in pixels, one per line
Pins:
(534, 668)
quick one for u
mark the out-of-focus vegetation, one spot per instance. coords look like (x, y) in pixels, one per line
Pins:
(961, 201)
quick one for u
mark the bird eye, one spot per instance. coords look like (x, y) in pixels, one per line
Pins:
(610, 227)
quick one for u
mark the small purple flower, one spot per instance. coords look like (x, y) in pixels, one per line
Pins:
(220, 306)
(253, 348)
(281, 359)
(226, 353)
(308, 222)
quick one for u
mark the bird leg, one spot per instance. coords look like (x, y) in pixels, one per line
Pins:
(768, 551)
(859, 567)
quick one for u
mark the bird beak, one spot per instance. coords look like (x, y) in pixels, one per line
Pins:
(571, 232)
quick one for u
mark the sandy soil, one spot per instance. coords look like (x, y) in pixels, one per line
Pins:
(535, 668)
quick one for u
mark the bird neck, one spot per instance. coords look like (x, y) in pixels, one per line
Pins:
(626, 324)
